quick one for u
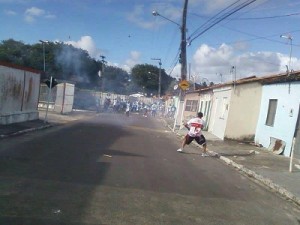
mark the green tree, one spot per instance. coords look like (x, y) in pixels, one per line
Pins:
(146, 79)
(14, 52)
(115, 80)
(65, 62)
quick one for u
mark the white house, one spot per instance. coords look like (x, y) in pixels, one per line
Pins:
(235, 109)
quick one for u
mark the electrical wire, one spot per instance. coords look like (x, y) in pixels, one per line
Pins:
(168, 48)
(268, 17)
(257, 37)
(175, 62)
(214, 17)
(223, 17)
(255, 18)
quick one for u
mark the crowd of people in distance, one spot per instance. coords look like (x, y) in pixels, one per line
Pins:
(119, 105)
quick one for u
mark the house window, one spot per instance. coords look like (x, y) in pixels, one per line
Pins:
(191, 105)
(271, 112)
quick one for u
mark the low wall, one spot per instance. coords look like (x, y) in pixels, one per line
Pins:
(64, 98)
(19, 93)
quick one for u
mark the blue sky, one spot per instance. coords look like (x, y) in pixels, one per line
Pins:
(127, 33)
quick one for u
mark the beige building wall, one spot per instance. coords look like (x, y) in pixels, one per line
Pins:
(244, 111)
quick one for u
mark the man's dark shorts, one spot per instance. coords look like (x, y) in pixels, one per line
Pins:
(199, 139)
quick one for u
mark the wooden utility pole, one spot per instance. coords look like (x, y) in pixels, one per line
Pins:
(183, 60)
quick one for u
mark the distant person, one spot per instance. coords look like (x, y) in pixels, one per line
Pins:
(97, 104)
(107, 104)
(153, 110)
(115, 105)
(195, 126)
(173, 110)
(145, 111)
(127, 108)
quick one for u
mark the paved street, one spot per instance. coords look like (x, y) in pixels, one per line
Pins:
(112, 169)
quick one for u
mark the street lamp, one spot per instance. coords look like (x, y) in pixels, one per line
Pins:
(43, 43)
(182, 27)
(155, 13)
(159, 76)
(182, 58)
(290, 38)
(50, 82)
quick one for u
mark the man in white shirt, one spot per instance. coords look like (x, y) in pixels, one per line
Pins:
(195, 126)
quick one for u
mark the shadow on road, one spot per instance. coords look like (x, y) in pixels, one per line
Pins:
(58, 171)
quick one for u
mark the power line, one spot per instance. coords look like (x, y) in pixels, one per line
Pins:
(256, 37)
(175, 61)
(167, 50)
(259, 18)
(268, 17)
(214, 17)
(254, 18)
(223, 17)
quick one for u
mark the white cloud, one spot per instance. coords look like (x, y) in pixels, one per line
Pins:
(33, 13)
(10, 12)
(132, 61)
(86, 43)
(210, 62)
(142, 16)
(50, 16)
(136, 16)
(134, 58)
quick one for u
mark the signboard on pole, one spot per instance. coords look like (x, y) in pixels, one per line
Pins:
(184, 84)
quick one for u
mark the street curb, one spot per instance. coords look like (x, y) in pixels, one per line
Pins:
(25, 131)
(265, 181)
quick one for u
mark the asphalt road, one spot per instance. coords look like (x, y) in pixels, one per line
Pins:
(114, 169)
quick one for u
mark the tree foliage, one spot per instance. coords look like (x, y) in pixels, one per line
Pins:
(146, 79)
(65, 62)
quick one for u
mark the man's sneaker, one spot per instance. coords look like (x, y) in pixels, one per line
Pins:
(179, 150)
(204, 154)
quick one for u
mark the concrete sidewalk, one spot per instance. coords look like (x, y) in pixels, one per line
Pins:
(256, 162)
(43, 122)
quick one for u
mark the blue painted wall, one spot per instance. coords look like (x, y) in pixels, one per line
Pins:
(288, 97)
